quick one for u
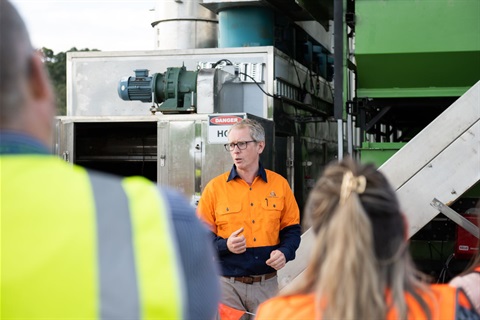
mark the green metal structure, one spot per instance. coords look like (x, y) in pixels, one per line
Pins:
(378, 152)
(411, 48)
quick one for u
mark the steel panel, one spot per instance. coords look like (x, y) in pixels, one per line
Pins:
(63, 139)
(446, 177)
(185, 160)
(178, 151)
(92, 77)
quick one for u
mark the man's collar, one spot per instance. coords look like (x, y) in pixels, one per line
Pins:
(261, 172)
(12, 142)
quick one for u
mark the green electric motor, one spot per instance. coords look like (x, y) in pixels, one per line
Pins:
(174, 91)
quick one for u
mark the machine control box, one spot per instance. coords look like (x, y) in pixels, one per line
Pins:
(466, 244)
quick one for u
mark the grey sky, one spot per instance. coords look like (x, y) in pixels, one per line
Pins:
(107, 25)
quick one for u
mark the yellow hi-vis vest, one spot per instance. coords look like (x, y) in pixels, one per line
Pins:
(77, 245)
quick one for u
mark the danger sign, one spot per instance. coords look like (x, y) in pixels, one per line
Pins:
(218, 126)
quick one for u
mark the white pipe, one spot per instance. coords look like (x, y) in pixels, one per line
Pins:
(340, 138)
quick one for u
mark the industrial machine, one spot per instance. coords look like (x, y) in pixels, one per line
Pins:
(152, 115)
(417, 67)
(404, 95)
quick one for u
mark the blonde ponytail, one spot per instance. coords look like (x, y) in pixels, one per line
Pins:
(347, 271)
(360, 252)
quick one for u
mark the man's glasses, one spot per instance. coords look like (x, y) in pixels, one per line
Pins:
(242, 145)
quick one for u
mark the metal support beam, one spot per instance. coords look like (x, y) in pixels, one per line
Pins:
(455, 217)
(340, 138)
(338, 67)
(377, 118)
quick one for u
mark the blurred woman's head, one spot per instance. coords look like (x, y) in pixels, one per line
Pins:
(347, 186)
(360, 250)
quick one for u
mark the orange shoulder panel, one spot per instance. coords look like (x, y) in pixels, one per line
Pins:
(287, 308)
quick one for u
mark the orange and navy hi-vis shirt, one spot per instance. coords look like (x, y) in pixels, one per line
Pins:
(267, 211)
(444, 303)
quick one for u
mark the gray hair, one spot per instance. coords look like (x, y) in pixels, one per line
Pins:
(256, 129)
(15, 57)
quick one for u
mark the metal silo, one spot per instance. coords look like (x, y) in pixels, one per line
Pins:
(184, 24)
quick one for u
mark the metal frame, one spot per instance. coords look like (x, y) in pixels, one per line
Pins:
(456, 217)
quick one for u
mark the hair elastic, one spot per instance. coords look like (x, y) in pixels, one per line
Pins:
(350, 184)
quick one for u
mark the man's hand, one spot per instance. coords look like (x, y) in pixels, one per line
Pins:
(235, 243)
(277, 260)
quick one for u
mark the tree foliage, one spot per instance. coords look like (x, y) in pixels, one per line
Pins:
(56, 64)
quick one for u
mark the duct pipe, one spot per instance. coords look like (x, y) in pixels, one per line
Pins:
(184, 24)
(248, 26)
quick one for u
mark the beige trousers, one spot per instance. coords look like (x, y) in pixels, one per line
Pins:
(247, 297)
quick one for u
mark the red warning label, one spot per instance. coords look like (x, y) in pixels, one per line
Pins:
(225, 120)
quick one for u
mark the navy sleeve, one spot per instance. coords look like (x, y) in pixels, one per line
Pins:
(201, 273)
(220, 244)
(289, 241)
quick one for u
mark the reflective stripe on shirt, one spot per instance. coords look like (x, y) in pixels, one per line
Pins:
(117, 275)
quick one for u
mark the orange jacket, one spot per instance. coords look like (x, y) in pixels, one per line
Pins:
(449, 303)
(267, 211)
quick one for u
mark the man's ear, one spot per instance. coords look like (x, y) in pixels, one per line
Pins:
(261, 146)
(39, 84)
(39, 119)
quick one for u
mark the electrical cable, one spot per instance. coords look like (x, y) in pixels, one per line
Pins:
(255, 81)
(329, 87)
(229, 63)
(445, 269)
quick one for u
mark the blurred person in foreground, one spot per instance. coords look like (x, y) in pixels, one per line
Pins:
(360, 266)
(255, 221)
(78, 244)
(469, 280)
